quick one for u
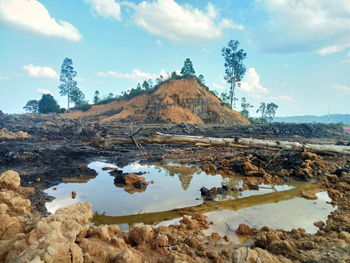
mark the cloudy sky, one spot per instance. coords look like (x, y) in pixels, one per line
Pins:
(298, 50)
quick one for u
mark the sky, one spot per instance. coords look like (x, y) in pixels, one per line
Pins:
(298, 51)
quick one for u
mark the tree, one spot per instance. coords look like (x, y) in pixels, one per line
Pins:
(68, 87)
(47, 104)
(187, 69)
(234, 68)
(225, 97)
(145, 85)
(201, 79)
(32, 106)
(96, 97)
(271, 109)
(245, 107)
(150, 84)
(110, 96)
(78, 97)
(262, 110)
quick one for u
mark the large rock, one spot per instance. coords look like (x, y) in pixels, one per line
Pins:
(256, 255)
(10, 180)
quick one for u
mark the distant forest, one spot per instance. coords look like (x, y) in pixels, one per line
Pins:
(332, 118)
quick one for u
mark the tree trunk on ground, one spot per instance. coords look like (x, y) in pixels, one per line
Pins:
(231, 142)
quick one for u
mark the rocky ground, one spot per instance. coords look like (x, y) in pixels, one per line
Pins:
(45, 151)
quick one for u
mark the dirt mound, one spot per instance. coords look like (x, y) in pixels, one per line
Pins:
(176, 101)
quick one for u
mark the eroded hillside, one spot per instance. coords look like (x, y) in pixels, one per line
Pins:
(176, 101)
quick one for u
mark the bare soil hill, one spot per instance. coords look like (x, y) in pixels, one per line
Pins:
(175, 101)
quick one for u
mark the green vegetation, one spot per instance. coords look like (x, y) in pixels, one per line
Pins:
(267, 110)
(245, 107)
(96, 97)
(68, 85)
(47, 104)
(187, 69)
(234, 68)
(32, 106)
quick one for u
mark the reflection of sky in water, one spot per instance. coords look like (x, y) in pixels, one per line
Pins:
(166, 193)
(294, 213)
(289, 214)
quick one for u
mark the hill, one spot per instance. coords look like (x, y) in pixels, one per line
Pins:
(175, 101)
(332, 118)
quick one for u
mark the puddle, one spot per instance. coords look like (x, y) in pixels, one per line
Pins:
(175, 192)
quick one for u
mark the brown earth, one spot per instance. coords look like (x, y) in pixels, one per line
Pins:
(176, 101)
(6, 134)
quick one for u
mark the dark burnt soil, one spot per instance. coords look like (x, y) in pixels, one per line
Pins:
(62, 148)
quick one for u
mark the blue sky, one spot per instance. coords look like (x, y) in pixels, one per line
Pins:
(298, 51)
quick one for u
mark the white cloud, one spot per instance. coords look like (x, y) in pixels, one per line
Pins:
(40, 72)
(218, 87)
(32, 15)
(136, 75)
(106, 8)
(251, 83)
(180, 23)
(320, 26)
(342, 88)
(4, 78)
(43, 91)
(228, 23)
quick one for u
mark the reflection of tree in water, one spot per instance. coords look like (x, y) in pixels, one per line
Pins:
(185, 174)
(185, 180)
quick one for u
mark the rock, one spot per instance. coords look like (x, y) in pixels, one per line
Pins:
(257, 255)
(345, 236)
(160, 240)
(10, 180)
(248, 166)
(319, 224)
(245, 230)
(130, 182)
(74, 194)
(309, 195)
(140, 233)
(128, 256)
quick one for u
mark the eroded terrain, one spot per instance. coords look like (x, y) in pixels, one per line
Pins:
(44, 153)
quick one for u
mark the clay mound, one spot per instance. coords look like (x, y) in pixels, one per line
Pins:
(175, 101)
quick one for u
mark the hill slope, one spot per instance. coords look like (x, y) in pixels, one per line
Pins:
(175, 101)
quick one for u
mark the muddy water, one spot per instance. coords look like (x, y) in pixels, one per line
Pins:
(175, 191)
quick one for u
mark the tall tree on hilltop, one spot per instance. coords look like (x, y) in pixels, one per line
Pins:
(234, 68)
(187, 69)
(68, 85)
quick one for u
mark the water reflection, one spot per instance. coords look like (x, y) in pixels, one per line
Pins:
(175, 192)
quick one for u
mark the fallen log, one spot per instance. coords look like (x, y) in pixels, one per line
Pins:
(206, 207)
(231, 142)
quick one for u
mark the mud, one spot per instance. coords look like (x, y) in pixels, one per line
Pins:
(58, 150)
